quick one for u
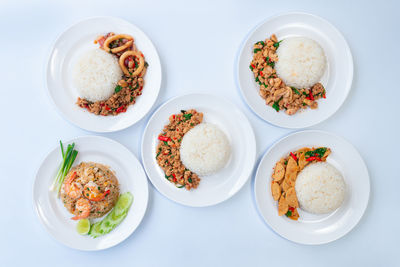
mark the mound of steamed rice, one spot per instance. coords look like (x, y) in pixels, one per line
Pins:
(96, 74)
(205, 149)
(301, 62)
(320, 188)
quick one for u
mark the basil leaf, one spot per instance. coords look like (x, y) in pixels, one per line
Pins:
(117, 88)
(277, 44)
(187, 116)
(276, 104)
(295, 90)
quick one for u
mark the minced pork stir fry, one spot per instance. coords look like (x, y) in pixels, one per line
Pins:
(134, 67)
(272, 88)
(168, 155)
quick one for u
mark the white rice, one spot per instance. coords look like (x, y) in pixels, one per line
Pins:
(320, 188)
(205, 149)
(96, 74)
(301, 62)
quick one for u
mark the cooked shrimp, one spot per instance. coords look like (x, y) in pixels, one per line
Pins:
(71, 188)
(92, 192)
(83, 207)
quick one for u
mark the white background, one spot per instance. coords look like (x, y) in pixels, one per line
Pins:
(198, 42)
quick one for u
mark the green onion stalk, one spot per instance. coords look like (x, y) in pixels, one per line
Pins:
(69, 156)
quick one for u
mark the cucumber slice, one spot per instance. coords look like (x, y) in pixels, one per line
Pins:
(95, 230)
(123, 204)
(114, 217)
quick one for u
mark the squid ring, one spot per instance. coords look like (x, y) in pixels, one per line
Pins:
(108, 41)
(125, 69)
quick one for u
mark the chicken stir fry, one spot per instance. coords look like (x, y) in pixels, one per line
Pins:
(272, 88)
(168, 155)
(285, 175)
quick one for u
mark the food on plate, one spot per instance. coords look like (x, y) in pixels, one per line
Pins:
(320, 188)
(167, 151)
(205, 149)
(288, 73)
(284, 178)
(96, 74)
(90, 190)
(111, 77)
(301, 62)
(68, 157)
(114, 218)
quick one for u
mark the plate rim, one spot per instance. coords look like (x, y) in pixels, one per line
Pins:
(253, 139)
(241, 49)
(50, 51)
(276, 143)
(43, 225)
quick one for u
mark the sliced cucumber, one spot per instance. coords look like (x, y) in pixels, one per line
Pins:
(95, 230)
(115, 217)
(124, 202)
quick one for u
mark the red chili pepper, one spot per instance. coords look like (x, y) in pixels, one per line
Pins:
(173, 116)
(291, 209)
(293, 156)
(261, 73)
(323, 95)
(164, 138)
(120, 109)
(174, 178)
(253, 66)
(107, 108)
(313, 158)
(311, 96)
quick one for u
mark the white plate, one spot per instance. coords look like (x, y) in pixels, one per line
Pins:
(217, 187)
(337, 78)
(67, 50)
(315, 229)
(55, 217)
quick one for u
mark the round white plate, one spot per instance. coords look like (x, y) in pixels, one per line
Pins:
(131, 177)
(69, 47)
(337, 78)
(315, 229)
(217, 187)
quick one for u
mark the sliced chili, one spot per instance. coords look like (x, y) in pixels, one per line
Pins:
(121, 109)
(164, 138)
(311, 96)
(293, 156)
(313, 158)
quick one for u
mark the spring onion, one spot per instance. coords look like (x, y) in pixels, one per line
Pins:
(69, 156)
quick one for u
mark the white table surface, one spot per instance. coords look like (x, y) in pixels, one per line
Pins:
(197, 43)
